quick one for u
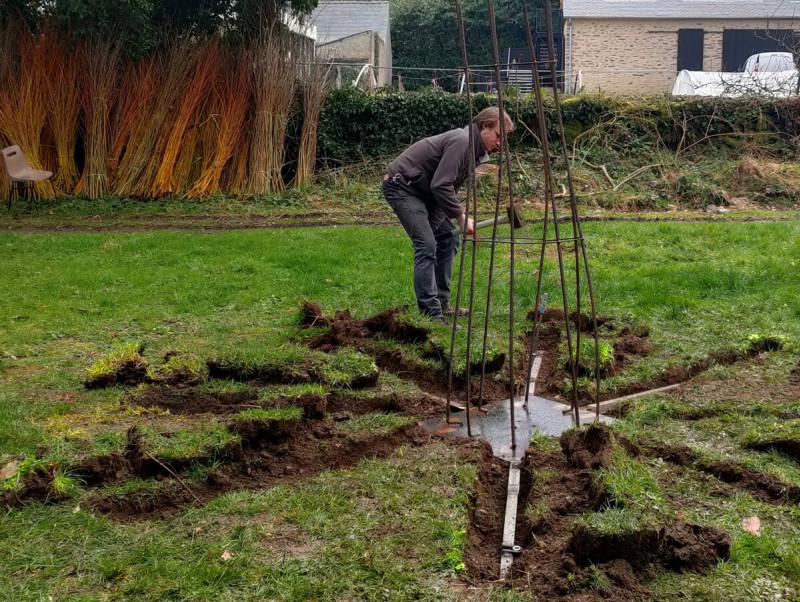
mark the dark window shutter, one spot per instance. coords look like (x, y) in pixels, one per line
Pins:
(690, 49)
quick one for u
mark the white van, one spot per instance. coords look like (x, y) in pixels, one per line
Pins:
(769, 62)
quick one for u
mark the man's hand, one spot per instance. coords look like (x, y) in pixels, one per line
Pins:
(470, 224)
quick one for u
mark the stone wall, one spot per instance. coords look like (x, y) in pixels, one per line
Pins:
(640, 56)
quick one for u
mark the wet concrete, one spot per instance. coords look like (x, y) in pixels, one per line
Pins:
(540, 416)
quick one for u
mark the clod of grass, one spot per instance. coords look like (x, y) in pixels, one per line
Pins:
(586, 361)
(614, 521)
(123, 365)
(376, 424)
(629, 484)
(760, 343)
(26, 466)
(288, 413)
(206, 439)
(286, 363)
(349, 369)
(291, 391)
(533, 512)
(64, 485)
(180, 369)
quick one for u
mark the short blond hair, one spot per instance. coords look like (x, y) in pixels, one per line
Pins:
(490, 116)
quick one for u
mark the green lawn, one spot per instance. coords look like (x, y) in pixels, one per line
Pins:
(68, 298)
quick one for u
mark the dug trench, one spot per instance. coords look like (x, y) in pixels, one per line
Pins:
(560, 559)
(627, 343)
(268, 452)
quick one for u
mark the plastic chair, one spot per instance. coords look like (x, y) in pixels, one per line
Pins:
(20, 171)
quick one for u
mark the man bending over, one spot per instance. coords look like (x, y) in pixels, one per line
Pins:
(421, 186)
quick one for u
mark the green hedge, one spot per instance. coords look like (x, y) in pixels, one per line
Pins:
(357, 125)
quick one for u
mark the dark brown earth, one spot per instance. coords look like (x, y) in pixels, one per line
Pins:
(559, 562)
(485, 531)
(788, 447)
(267, 456)
(344, 330)
(193, 401)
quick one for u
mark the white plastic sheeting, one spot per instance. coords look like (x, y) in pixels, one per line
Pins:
(780, 84)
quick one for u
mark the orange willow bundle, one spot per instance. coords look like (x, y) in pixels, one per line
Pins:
(206, 69)
(233, 99)
(314, 90)
(23, 105)
(142, 158)
(100, 76)
(63, 105)
(273, 91)
(137, 90)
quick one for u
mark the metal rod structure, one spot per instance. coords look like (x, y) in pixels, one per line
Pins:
(576, 224)
(505, 155)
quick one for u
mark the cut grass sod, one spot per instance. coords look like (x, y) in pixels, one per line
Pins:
(386, 528)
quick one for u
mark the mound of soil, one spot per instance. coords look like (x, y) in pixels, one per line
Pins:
(484, 532)
(678, 547)
(311, 316)
(630, 344)
(344, 330)
(315, 446)
(761, 485)
(581, 320)
(588, 448)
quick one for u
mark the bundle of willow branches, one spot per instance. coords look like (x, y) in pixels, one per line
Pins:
(275, 68)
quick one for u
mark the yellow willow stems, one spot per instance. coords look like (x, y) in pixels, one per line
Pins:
(100, 64)
(315, 89)
(64, 106)
(275, 69)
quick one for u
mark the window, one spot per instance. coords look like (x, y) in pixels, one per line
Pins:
(690, 49)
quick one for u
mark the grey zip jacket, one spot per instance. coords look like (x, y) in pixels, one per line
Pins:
(435, 168)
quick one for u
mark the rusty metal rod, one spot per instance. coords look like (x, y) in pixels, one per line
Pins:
(577, 229)
(548, 187)
(505, 154)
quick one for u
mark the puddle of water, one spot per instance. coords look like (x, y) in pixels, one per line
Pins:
(541, 416)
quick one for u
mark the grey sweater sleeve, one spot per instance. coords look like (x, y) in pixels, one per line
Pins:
(443, 182)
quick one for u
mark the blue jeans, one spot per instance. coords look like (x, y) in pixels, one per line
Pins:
(435, 241)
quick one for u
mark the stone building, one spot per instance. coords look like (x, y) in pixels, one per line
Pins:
(639, 46)
(353, 35)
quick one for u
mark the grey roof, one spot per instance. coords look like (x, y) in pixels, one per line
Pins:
(338, 19)
(684, 9)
